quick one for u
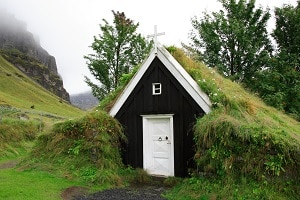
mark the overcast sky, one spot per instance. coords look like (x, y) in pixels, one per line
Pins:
(66, 27)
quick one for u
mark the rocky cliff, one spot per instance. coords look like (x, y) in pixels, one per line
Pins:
(20, 47)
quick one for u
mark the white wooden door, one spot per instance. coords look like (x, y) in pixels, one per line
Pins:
(158, 148)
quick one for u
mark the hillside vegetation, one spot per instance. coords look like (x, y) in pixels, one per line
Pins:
(19, 91)
(26, 109)
(241, 136)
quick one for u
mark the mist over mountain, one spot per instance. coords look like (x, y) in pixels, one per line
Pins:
(84, 100)
(23, 49)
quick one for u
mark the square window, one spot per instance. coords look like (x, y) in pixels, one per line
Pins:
(156, 88)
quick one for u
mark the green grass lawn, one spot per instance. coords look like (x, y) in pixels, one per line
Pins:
(32, 184)
(17, 183)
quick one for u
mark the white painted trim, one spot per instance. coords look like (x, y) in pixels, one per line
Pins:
(131, 85)
(157, 116)
(185, 79)
(176, 70)
(146, 140)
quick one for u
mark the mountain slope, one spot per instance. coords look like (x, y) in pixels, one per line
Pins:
(21, 48)
(19, 91)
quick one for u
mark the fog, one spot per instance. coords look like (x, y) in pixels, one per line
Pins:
(65, 28)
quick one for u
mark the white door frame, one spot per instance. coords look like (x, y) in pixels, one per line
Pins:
(147, 141)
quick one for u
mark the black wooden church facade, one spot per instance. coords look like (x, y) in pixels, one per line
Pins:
(158, 109)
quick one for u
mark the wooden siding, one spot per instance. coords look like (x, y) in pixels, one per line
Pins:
(173, 100)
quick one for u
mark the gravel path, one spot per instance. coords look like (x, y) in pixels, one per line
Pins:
(132, 193)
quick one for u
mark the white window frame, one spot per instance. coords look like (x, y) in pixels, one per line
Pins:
(156, 88)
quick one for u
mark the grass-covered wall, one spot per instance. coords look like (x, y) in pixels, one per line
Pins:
(88, 146)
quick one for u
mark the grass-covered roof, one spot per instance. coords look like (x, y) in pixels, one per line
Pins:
(241, 134)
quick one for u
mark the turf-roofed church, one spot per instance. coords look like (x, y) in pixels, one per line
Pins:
(158, 109)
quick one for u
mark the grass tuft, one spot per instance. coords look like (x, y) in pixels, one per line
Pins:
(15, 134)
(87, 148)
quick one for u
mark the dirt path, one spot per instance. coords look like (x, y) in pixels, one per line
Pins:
(73, 192)
(130, 193)
(9, 164)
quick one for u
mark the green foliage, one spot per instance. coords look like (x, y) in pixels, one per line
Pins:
(287, 32)
(88, 174)
(274, 164)
(87, 147)
(279, 84)
(75, 149)
(117, 50)
(234, 40)
(108, 101)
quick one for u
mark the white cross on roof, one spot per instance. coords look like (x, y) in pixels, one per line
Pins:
(155, 37)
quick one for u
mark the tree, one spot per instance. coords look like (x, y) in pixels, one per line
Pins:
(234, 40)
(279, 85)
(116, 51)
(287, 33)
